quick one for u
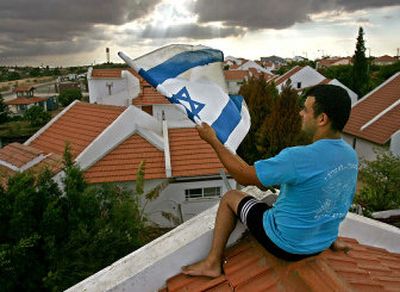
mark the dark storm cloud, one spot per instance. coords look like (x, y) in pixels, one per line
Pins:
(50, 27)
(191, 30)
(276, 14)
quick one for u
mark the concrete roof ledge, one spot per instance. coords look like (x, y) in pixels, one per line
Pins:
(371, 232)
(148, 268)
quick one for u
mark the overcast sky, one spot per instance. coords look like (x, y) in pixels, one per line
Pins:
(75, 32)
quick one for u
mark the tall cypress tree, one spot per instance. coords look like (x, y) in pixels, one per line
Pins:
(360, 76)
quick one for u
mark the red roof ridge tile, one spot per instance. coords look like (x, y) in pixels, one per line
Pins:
(287, 75)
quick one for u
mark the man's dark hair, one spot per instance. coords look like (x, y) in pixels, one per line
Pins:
(332, 100)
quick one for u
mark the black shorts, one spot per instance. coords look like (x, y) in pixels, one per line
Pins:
(250, 212)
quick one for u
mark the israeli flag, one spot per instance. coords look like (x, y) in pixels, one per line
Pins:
(192, 78)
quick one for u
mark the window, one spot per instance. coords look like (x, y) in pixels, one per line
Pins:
(210, 192)
(298, 85)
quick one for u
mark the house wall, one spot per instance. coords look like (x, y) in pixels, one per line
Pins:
(122, 91)
(175, 117)
(395, 143)
(307, 76)
(172, 199)
(234, 86)
(365, 149)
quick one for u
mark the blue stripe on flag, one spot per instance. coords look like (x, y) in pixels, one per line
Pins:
(238, 100)
(228, 119)
(179, 64)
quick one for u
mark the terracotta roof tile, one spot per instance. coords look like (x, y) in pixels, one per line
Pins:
(231, 75)
(121, 164)
(283, 78)
(107, 73)
(18, 154)
(190, 155)
(149, 96)
(116, 73)
(24, 88)
(80, 125)
(249, 267)
(371, 106)
(25, 100)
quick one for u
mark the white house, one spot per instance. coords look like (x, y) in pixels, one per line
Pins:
(112, 86)
(304, 77)
(109, 143)
(235, 79)
(24, 100)
(251, 64)
(300, 77)
(375, 120)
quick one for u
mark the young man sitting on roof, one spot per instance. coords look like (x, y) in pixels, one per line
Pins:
(318, 182)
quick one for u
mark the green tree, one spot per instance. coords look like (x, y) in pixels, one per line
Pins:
(380, 181)
(51, 239)
(3, 111)
(282, 127)
(259, 97)
(67, 96)
(360, 74)
(35, 72)
(343, 73)
(37, 116)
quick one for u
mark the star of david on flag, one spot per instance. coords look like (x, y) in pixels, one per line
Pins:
(183, 97)
(192, 77)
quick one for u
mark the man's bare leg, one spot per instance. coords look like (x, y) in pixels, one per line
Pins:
(225, 222)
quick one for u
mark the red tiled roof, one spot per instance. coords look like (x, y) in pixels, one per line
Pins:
(234, 66)
(190, 155)
(385, 58)
(150, 96)
(287, 75)
(325, 81)
(371, 106)
(107, 73)
(25, 100)
(116, 73)
(236, 74)
(80, 125)
(121, 164)
(249, 267)
(24, 88)
(266, 75)
(18, 154)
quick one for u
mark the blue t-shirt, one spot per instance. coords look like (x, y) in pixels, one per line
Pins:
(318, 182)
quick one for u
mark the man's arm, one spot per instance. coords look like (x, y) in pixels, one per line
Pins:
(243, 173)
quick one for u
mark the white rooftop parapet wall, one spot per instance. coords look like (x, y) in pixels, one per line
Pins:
(148, 268)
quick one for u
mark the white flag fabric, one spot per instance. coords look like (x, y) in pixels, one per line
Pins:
(192, 78)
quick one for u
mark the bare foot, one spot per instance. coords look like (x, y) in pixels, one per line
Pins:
(340, 246)
(203, 268)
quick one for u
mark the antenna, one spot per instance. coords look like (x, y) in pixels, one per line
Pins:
(108, 55)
